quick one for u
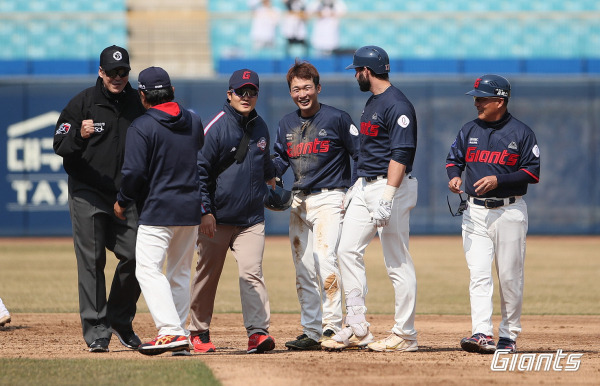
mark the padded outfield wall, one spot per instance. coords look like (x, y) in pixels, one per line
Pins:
(564, 113)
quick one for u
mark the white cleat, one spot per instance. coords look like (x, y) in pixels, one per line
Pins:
(346, 340)
(4, 320)
(393, 343)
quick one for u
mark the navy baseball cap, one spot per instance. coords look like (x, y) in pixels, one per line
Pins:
(153, 78)
(114, 57)
(243, 77)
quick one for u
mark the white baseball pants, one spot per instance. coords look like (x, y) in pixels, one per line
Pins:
(3, 310)
(167, 297)
(358, 230)
(315, 224)
(499, 233)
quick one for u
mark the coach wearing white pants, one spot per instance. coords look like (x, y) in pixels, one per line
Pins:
(160, 174)
(500, 158)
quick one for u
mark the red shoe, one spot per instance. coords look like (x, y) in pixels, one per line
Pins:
(164, 343)
(260, 343)
(202, 343)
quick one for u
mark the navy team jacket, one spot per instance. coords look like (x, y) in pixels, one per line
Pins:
(160, 169)
(235, 196)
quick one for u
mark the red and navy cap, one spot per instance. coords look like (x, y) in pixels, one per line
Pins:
(243, 77)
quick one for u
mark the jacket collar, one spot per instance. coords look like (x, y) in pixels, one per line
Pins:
(101, 93)
(241, 120)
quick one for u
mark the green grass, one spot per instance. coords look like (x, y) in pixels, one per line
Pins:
(104, 372)
(560, 277)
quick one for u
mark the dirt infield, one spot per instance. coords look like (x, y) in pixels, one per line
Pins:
(438, 361)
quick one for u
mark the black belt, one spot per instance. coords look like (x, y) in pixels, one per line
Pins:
(381, 177)
(490, 203)
(375, 178)
(306, 192)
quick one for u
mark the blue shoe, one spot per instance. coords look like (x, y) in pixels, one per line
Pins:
(507, 344)
(479, 343)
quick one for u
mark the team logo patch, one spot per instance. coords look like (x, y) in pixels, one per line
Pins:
(262, 143)
(117, 55)
(322, 133)
(63, 128)
(473, 141)
(501, 92)
(403, 121)
(374, 117)
(513, 146)
(289, 137)
(353, 130)
(536, 151)
(99, 127)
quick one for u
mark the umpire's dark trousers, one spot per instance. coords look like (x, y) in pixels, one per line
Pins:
(95, 229)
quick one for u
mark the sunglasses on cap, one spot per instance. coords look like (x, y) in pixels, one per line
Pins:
(245, 92)
(122, 72)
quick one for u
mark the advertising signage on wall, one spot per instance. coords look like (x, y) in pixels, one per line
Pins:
(35, 195)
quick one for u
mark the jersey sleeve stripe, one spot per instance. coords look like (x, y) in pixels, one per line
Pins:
(536, 178)
(215, 119)
(450, 165)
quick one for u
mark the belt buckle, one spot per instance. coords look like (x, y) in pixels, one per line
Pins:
(485, 203)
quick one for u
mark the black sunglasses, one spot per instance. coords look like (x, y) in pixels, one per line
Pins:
(461, 207)
(246, 92)
(123, 72)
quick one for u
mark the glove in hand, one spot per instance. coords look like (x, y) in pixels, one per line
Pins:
(382, 214)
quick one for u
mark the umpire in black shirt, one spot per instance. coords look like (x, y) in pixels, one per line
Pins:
(90, 136)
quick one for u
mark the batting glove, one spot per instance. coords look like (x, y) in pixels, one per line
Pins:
(382, 214)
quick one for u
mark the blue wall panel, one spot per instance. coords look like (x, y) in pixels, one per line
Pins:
(564, 113)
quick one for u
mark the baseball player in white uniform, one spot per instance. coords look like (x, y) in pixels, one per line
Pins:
(500, 158)
(380, 202)
(318, 141)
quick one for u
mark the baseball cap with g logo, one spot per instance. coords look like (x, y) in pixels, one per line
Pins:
(114, 57)
(243, 77)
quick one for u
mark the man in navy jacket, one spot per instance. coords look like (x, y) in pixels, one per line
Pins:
(160, 174)
(233, 205)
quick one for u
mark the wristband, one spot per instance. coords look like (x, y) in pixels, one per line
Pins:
(388, 193)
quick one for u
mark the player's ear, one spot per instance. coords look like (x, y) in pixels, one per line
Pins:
(318, 88)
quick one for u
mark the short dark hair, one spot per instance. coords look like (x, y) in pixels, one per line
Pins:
(156, 97)
(384, 76)
(303, 70)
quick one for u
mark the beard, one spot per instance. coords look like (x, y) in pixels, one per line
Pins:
(364, 83)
